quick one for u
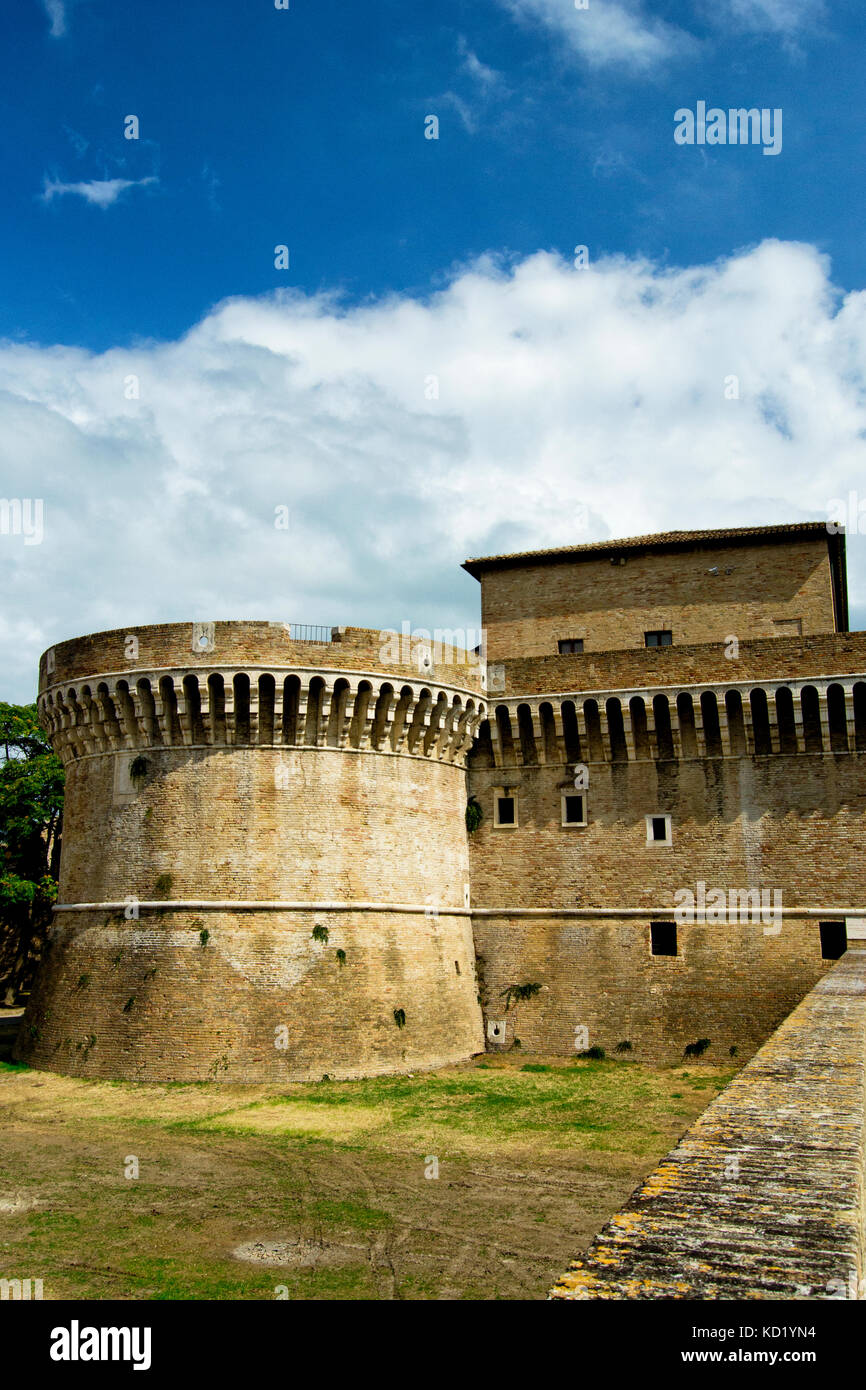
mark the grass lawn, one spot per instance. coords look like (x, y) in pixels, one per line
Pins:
(324, 1186)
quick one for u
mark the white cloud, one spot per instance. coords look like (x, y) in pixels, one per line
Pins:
(559, 390)
(768, 16)
(468, 115)
(56, 12)
(472, 65)
(101, 192)
(609, 33)
(487, 85)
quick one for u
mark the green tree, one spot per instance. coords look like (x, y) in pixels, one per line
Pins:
(31, 810)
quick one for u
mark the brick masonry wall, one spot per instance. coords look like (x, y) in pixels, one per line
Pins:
(760, 660)
(244, 644)
(148, 1001)
(777, 823)
(764, 1196)
(528, 608)
(340, 826)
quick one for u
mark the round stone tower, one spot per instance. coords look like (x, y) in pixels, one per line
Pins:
(265, 869)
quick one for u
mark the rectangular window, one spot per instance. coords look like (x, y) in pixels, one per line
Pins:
(504, 809)
(834, 940)
(659, 638)
(663, 938)
(658, 830)
(573, 809)
(570, 646)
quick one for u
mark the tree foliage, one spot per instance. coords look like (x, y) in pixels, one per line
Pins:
(31, 810)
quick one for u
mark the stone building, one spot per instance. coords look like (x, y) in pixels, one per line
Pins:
(268, 871)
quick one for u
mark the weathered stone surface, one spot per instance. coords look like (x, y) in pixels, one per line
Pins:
(261, 879)
(758, 590)
(764, 1196)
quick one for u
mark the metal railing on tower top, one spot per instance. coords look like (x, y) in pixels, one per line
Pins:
(310, 632)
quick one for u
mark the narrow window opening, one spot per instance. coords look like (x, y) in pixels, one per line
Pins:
(506, 809)
(834, 940)
(658, 830)
(663, 938)
(573, 809)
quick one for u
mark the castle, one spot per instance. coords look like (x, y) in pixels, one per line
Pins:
(636, 823)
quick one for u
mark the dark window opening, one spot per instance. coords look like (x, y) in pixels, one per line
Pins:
(663, 938)
(571, 646)
(834, 940)
(660, 829)
(661, 638)
(574, 810)
(505, 814)
(457, 966)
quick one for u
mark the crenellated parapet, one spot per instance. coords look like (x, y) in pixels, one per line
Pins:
(719, 720)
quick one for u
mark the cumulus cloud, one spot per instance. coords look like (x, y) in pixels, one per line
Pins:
(523, 405)
(101, 192)
(609, 33)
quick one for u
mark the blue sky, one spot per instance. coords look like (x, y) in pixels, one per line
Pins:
(563, 394)
(304, 127)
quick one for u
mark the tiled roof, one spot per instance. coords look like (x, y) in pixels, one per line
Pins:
(663, 540)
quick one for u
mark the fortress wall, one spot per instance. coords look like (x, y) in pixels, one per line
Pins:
(235, 802)
(148, 1000)
(765, 1196)
(336, 827)
(176, 646)
(654, 668)
(730, 984)
(787, 823)
(784, 824)
(526, 608)
(281, 824)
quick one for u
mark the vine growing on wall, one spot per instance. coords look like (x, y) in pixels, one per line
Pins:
(474, 815)
(515, 994)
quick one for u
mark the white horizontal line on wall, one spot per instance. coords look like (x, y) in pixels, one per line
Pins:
(228, 905)
(431, 910)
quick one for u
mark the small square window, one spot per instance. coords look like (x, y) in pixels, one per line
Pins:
(663, 938)
(658, 830)
(573, 809)
(570, 646)
(834, 940)
(504, 809)
(660, 638)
